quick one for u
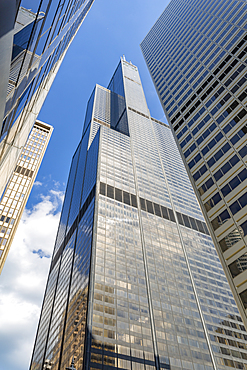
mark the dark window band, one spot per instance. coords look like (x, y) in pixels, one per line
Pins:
(192, 223)
(24, 171)
(136, 111)
(118, 194)
(153, 208)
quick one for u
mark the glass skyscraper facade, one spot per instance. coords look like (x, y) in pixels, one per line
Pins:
(39, 41)
(196, 54)
(18, 189)
(135, 281)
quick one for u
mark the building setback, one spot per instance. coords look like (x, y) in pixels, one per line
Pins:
(32, 47)
(135, 281)
(18, 189)
(196, 54)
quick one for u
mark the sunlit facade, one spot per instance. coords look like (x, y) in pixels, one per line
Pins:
(18, 189)
(31, 54)
(196, 54)
(135, 281)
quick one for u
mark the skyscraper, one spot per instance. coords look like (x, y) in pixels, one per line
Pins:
(135, 281)
(196, 54)
(32, 49)
(16, 194)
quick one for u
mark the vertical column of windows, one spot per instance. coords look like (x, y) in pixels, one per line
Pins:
(170, 354)
(55, 337)
(149, 175)
(121, 334)
(44, 324)
(225, 327)
(116, 162)
(180, 335)
(75, 330)
(173, 165)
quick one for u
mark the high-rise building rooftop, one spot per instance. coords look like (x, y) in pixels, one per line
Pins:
(135, 281)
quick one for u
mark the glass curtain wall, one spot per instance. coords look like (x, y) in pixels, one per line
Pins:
(135, 281)
(42, 36)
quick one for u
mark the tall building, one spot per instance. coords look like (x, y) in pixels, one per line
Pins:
(17, 191)
(33, 44)
(196, 54)
(135, 281)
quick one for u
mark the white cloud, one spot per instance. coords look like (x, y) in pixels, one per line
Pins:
(58, 194)
(38, 183)
(56, 183)
(23, 280)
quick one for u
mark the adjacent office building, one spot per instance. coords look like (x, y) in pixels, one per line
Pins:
(197, 55)
(135, 281)
(33, 44)
(16, 194)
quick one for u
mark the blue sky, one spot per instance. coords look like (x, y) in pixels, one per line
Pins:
(111, 29)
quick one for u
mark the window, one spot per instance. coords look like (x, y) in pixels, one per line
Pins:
(238, 266)
(233, 237)
(213, 201)
(243, 297)
(207, 185)
(239, 204)
(234, 182)
(220, 219)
